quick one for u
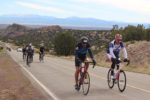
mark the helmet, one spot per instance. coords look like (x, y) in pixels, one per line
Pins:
(30, 45)
(84, 39)
(42, 45)
(118, 37)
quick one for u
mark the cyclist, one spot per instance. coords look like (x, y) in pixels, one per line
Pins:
(114, 50)
(80, 56)
(30, 51)
(24, 52)
(41, 50)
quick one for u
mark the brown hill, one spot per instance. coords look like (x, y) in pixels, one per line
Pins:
(14, 30)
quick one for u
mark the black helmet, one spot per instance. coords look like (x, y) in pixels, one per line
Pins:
(84, 39)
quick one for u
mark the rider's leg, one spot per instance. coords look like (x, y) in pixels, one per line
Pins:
(77, 74)
(112, 65)
(77, 64)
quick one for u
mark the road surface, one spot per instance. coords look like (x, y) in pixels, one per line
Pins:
(56, 77)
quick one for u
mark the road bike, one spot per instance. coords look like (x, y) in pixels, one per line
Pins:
(41, 57)
(118, 78)
(24, 56)
(84, 77)
(29, 59)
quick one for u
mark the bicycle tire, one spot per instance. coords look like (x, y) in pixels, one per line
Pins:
(109, 79)
(84, 88)
(125, 80)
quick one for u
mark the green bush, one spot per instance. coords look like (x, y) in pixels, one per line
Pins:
(131, 33)
(64, 44)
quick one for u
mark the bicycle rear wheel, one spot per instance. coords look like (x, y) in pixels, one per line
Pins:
(122, 81)
(109, 80)
(86, 83)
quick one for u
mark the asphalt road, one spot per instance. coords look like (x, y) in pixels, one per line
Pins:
(56, 77)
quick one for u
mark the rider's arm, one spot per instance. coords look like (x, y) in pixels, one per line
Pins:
(124, 50)
(111, 50)
(90, 52)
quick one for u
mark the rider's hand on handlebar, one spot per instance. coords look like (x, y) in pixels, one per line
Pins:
(94, 62)
(125, 60)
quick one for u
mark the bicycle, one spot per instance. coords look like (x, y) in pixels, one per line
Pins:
(119, 77)
(84, 78)
(24, 56)
(29, 59)
(41, 56)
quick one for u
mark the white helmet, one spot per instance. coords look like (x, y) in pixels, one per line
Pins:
(42, 45)
(30, 45)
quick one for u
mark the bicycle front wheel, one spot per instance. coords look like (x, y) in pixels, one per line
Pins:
(122, 81)
(86, 83)
(109, 80)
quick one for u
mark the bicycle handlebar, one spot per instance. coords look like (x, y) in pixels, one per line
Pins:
(128, 62)
(90, 62)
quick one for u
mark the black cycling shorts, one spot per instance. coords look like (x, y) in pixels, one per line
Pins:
(77, 62)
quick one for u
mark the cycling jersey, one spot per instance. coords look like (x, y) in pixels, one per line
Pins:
(80, 52)
(24, 50)
(114, 50)
(42, 49)
(30, 50)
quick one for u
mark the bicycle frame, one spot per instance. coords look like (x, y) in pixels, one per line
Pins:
(83, 70)
(119, 68)
(29, 58)
(41, 55)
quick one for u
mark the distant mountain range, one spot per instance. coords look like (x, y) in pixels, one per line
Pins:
(37, 21)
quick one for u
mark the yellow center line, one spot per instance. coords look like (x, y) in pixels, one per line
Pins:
(92, 74)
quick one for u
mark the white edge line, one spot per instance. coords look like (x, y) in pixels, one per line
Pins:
(44, 87)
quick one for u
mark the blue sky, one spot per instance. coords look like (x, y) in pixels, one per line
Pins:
(115, 10)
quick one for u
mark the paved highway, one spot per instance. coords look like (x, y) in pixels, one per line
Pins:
(56, 77)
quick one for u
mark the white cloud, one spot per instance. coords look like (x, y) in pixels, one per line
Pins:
(35, 6)
(66, 5)
(139, 6)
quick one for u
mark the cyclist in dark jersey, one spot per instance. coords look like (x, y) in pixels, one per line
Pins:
(41, 50)
(80, 56)
(30, 51)
(24, 52)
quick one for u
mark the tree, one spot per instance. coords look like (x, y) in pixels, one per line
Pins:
(115, 27)
(64, 44)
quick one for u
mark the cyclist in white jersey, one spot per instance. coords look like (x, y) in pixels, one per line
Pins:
(113, 51)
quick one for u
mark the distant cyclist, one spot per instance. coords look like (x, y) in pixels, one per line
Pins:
(41, 51)
(80, 56)
(113, 52)
(24, 52)
(30, 51)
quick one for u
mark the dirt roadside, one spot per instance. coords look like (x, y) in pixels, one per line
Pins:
(13, 84)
